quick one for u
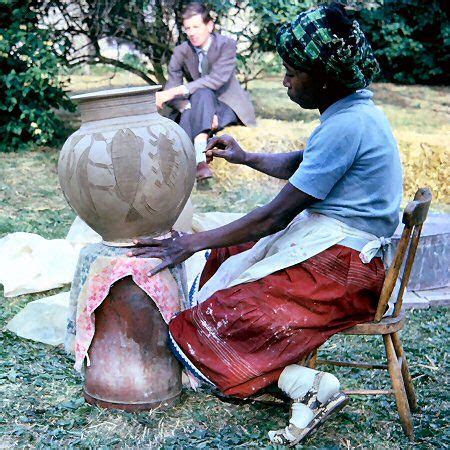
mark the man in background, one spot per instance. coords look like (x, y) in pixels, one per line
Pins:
(202, 86)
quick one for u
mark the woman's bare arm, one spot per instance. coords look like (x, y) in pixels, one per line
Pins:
(278, 165)
(261, 222)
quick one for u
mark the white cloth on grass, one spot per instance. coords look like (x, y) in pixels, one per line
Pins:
(30, 263)
(44, 320)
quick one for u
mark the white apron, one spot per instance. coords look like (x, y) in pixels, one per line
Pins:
(307, 235)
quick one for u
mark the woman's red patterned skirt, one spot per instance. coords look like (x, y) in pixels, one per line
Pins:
(242, 337)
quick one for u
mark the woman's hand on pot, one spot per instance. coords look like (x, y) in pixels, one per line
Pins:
(225, 147)
(170, 251)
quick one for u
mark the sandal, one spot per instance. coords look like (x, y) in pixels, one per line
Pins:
(292, 435)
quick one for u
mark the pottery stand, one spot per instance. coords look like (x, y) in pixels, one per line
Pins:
(131, 366)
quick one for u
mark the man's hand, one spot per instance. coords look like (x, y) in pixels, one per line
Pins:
(225, 147)
(161, 98)
(165, 96)
(215, 123)
(170, 251)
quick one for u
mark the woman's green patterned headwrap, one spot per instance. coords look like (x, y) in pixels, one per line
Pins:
(308, 43)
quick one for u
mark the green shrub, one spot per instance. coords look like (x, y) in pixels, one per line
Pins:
(410, 39)
(28, 80)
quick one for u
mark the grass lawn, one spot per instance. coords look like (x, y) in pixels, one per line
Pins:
(41, 395)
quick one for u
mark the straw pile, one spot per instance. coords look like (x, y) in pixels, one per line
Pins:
(425, 156)
(425, 160)
(269, 136)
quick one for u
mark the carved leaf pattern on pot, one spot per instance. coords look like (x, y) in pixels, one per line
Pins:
(70, 165)
(126, 149)
(86, 204)
(163, 171)
(100, 170)
(169, 159)
(104, 186)
(187, 151)
(70, 154)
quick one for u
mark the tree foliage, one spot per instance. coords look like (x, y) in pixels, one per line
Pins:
(411, 39)
(28, 78)
(149, 29)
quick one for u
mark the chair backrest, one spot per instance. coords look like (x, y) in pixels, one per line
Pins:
(414, 216)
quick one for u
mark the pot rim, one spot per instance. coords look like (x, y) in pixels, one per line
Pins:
(112, 93)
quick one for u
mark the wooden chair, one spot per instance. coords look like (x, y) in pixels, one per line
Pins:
(413, 218)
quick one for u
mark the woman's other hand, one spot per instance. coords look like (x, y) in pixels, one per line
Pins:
(225, 147)
(170, 251)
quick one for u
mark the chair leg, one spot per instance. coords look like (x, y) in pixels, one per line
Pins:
(407, 380)
(399, 387)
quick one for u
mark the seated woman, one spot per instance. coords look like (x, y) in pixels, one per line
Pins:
(284, 278)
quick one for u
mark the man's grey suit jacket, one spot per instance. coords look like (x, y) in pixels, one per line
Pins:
(222, 78)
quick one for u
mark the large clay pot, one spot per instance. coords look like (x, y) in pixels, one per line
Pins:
(131, 366)
(127, 171)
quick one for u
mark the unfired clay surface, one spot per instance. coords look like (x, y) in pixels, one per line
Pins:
(127, 171)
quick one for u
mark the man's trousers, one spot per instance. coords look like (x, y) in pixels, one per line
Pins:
(198, 118)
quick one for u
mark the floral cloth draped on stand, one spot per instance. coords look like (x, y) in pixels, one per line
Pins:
(99, 267)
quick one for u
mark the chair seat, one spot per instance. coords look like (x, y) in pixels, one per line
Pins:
(386, 325)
